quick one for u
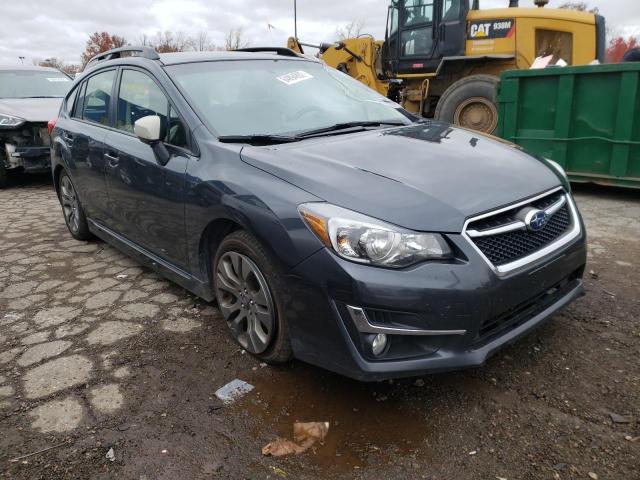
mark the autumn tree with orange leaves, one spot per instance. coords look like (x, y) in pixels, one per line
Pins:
(100, 42)
(618, 46)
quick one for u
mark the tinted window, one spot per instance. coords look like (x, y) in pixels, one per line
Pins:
(418, 12)
(98, 97)
(71, 101)
(451, 10)
(417, 42)
(393, 21)
(139, 97)
(417, 37)
(33, 84)
(177, 134)
(77, 107)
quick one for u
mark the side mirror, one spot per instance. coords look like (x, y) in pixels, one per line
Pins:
(148, 130)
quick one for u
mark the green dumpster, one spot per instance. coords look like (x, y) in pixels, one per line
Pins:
(585, 118)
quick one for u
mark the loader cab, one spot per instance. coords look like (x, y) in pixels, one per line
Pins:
(421, 32)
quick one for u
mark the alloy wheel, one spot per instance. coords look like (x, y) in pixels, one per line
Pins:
(70, 205)
(245, 301)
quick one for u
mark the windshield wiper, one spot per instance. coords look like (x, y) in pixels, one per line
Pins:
(266, 139)
(258, 139)
(346, 126)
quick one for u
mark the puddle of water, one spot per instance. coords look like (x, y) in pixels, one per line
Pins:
(374, 421)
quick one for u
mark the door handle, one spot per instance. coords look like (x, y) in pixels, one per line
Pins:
(113, 160)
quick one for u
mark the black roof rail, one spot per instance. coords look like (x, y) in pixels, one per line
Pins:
(285, 52)
(144, 52)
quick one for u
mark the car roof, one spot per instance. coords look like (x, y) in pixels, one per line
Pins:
(30, 68)
(192, 57)
(176, 58)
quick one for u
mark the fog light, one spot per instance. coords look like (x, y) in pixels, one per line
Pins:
(378, 344)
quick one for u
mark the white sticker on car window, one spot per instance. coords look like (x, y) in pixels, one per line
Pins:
(58, 79)
(294, 77)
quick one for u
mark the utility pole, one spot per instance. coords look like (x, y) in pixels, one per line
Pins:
(295, 18)
(21, 58)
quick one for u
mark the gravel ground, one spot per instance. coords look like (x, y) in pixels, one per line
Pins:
(97, 353)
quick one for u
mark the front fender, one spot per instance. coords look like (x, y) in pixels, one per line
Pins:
(228, 189)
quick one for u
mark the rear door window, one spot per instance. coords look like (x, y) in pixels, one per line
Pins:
(97, 98)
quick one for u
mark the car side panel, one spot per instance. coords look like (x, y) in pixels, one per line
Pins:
(147, 198)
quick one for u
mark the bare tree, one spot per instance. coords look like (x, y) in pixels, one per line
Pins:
(166, 42)
(580, 7)
(144, 40)
(235, 39)
(349, 30)
(201, 42)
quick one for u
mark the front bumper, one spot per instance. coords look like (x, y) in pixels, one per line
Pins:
(32, 159)
(26, 148)
(466, 296)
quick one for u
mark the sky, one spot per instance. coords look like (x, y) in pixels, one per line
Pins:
(38, 29)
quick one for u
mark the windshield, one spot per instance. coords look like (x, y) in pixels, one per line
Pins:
(276, 97)
(33, 83)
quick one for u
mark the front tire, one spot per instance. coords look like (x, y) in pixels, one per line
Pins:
(72, 209)
(249, 289)
(471, 103)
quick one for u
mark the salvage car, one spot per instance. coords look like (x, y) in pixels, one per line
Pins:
(29, 98)
(328, 223)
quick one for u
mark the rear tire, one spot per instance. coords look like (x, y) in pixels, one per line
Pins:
(72, 209)
(250, 290)
(471, 102)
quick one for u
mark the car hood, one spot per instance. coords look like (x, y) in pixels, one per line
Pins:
(31, 109)
(427, 177)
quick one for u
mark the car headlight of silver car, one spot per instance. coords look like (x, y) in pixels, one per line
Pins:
(9, 121)
(363, 239)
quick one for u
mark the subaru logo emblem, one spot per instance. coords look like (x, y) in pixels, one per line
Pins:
(536, 220)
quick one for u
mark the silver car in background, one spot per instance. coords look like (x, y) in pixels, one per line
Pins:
(29, 98)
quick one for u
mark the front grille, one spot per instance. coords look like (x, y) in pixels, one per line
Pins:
(508, 247)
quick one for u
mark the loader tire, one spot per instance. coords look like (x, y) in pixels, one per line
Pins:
(471, 103)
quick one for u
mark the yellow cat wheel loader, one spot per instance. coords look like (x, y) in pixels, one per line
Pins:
(442, 58)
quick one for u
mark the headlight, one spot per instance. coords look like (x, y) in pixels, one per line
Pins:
(559, 169)
(9, 121)
(364, 239)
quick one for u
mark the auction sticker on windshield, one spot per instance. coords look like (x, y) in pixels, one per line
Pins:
(294, 77)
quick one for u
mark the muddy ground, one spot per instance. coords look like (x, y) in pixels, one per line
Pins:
(98, 353)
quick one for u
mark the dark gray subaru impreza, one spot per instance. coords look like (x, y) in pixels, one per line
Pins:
(329, 224)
